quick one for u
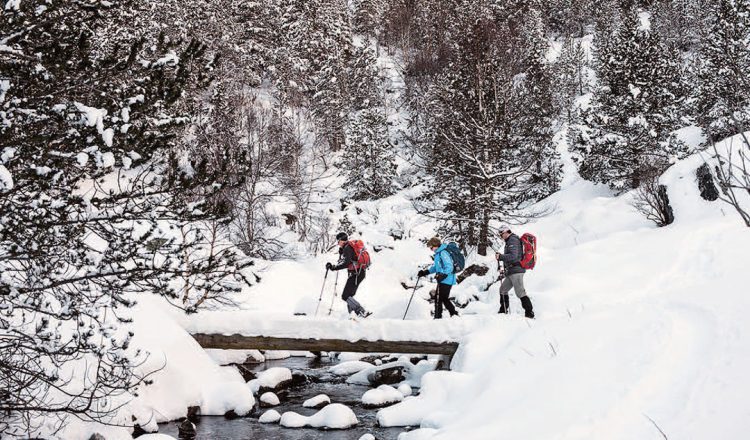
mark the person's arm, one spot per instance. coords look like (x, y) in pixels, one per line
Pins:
(347, 256)
(434, 266)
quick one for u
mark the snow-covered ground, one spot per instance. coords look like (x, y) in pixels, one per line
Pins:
(638, 328)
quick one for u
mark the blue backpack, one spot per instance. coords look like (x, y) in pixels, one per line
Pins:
(458, 258)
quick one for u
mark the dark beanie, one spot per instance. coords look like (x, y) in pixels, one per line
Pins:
(342, 236)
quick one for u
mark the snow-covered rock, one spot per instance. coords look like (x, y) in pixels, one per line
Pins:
(381, 396)
(269, 399)
(273, 355)
(405, 389)
(349, 367)
(367, 436)
(156, 436)
(318, 401)
(270, 416)
(333, 416)
(272, 379)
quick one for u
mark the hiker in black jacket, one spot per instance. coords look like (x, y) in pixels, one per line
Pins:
(348, 260)
(511, 259)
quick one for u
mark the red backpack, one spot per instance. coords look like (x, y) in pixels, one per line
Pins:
(361, 255)
(528, 260)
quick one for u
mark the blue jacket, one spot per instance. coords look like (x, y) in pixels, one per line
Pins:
(444, 264)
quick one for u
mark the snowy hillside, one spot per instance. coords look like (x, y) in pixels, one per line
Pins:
(176, 167)
(636, 326)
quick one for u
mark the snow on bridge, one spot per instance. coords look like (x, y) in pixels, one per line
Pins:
(255, 330)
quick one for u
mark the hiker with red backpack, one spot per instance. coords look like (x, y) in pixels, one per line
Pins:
(518, 256)
(444, 268)
(354, 257)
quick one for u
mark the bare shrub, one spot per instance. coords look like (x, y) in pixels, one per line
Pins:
(652, 201)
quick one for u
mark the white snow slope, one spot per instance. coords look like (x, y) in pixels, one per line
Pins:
(638, 328)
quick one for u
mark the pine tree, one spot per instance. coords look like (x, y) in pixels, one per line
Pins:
(99, 201)
(625, 136)
(723, 98)
(570, 78)
(488, 117)
(368, 161)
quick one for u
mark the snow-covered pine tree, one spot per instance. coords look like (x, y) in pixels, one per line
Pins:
(368, 160)
(570, 77)
(488, 116)
(723, 93)
(97, 203)
(625, 136)
(368, 17)
(679, 23)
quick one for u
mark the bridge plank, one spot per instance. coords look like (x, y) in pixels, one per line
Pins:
(242, 342)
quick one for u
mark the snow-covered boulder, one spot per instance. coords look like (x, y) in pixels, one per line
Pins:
(333, 416)
(405, 389)
(391, 373)
(270, 416)
(273, 379)
(269, 399)
(367, 436)
(317, 402)
(156, 437)
(388, 375)
(381, 396)
(349, 367)
(272, 355)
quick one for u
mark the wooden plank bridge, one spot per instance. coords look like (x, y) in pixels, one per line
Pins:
(243, 342)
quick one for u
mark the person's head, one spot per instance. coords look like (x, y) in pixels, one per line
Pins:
(433, 243)
(505, 232)
(342, 238)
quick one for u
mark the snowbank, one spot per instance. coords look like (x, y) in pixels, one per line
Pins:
(188, 376)
(633, 330)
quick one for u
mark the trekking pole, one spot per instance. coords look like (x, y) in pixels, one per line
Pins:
(333, 298)
(412, 297)
(320, 298)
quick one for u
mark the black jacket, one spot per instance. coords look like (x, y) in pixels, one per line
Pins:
(346, 257)
(513, 255)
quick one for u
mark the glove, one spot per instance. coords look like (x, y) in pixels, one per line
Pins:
(329, 266)
(440, 277)
(423, 273)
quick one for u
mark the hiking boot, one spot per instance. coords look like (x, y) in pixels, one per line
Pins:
(527, 307)
(365, 314)
(504, 304)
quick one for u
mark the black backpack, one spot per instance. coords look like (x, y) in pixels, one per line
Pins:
(459, 261)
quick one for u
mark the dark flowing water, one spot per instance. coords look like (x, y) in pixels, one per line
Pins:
(247, 428)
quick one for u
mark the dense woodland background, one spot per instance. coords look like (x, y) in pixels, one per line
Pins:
(151, 145)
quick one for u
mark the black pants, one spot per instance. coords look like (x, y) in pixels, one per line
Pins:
(350, 289)
(443, 298)
(352, 284)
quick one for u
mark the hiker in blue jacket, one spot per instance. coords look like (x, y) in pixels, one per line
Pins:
(443, 267)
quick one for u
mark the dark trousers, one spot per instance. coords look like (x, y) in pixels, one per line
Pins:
(350, 289)
(443, 299)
